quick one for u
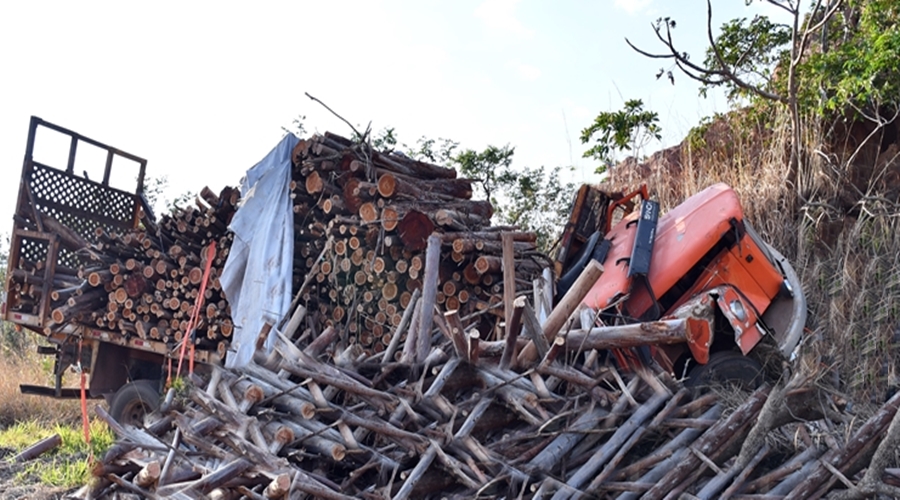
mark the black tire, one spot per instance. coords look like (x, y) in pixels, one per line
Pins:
(727, 368)
(133, 401)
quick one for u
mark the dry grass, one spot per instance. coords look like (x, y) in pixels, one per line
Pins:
(843, 237)
(17, 407)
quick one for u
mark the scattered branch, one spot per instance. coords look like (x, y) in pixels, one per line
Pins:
(356, 132)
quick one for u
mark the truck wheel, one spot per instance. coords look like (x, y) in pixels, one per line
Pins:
(727, 368)
(133, 401)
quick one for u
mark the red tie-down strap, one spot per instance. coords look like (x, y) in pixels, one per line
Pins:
(85, 420)
(195, 313)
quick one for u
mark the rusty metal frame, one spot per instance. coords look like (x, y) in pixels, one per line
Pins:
(27, 206)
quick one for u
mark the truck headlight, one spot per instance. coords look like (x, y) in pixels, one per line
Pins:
(738, 310)
(788, 287)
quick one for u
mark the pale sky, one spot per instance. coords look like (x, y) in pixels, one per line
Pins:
(201, 89)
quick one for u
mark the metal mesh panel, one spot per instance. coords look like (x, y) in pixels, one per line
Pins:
(87, 202)
(78, 203)
(33, 250)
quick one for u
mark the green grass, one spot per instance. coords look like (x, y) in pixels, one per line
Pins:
(69, 465)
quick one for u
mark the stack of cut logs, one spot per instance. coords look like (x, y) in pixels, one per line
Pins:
(362, 223)
(374, 212)
(303, 424)
(146, 281)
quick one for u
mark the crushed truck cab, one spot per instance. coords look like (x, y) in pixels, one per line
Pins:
(706, 264)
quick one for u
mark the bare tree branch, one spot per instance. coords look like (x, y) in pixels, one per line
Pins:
(787, 8)
(805, 39)
(335, 114)
(709, 76)
(648, 54)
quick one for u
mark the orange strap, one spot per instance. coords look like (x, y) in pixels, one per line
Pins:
(195, 314)
(85, 421)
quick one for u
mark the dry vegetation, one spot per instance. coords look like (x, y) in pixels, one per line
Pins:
(24, 420)
(29, 368)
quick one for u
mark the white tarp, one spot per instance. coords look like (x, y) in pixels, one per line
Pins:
(257, 275)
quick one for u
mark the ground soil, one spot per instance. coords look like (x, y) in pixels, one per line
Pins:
(15, 485)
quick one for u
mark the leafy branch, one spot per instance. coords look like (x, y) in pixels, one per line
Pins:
(627, 129)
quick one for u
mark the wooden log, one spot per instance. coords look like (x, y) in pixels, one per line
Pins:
(565, 308)
(412, 168)
(303, 365)
(220, 476)
(710, 441)
(314, 183)
(552, 456)
(406, 489)
(470, 245)
(68, 237)
(630, 335)
(399, 330)
(368, 213)
(740, 478)
(278, 487)
(664, 459)
(322, 342)
(390, 185)
(514, 326)
(533, 331)
(75, 306)
(460, 221)
(864, 438)
(38, 449)
(473, 348)
(429, 293)
(414, 229)
(572, 299)
(148, 475)
(587, 471)
(509, 277)
(485, 235)
(795, 463)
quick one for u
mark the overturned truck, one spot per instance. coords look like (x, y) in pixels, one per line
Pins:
(701, 261)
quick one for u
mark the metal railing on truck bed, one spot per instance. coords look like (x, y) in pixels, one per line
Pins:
(58, 216)
(54, 203)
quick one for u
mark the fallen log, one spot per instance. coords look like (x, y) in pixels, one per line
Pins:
(38, 449)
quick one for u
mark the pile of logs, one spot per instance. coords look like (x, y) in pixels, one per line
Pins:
(362, 223)
(540, 413)
(374, 212)
(303, 424)
(142, 282)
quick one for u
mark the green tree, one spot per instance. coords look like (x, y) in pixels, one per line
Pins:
(540, 203)
(384, 140)
(156, 190)
(742, 56)
(535, 199)
(750, 50)
(296, 127)
(628, 129)
(490, 168)
(440, 151)
(858, 70)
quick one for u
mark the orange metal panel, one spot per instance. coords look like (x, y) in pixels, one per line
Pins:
(684, 235)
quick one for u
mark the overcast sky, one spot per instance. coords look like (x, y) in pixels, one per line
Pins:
(202, 89)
